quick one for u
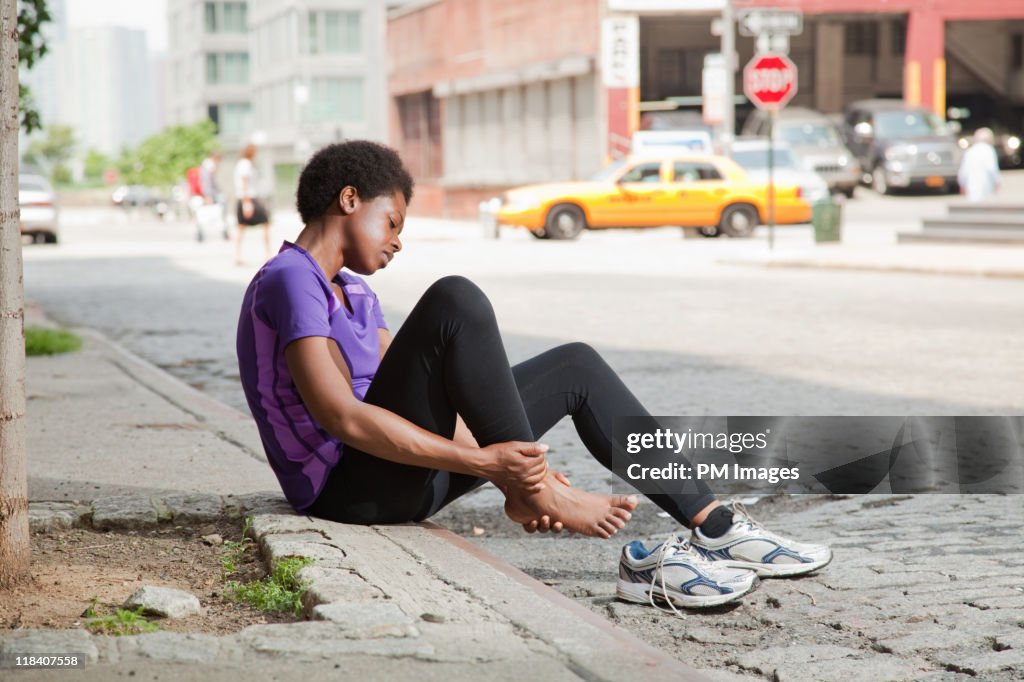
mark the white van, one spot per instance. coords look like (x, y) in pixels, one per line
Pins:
(647, 142)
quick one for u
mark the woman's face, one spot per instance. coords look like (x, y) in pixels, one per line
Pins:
(371, 236)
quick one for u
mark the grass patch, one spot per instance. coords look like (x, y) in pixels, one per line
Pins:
(121, 622)
(280, 591)
(43, 341)
(234, 552)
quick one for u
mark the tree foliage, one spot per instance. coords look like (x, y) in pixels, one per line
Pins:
(32, 14)
(162, 159)
(96, 163)
(52, 151)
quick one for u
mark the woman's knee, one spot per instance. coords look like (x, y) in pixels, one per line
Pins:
(458, 293)
(583, 355)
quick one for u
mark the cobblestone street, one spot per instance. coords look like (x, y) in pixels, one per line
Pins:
(924, 587)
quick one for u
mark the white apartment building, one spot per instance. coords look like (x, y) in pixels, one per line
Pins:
(208, 67)
(107, 88)
(289, 75)
(318, 76)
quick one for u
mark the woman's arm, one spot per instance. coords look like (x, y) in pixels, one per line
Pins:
(325, 385)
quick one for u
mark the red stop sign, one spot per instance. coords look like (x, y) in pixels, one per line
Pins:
(769, 80)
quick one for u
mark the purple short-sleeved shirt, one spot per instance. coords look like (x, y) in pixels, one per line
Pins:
(288, 299)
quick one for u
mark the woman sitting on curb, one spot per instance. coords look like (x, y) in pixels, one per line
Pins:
(362, 428)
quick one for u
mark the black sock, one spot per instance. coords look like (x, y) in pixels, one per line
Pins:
(717, 523)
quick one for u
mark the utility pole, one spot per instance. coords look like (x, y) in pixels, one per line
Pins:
(729, 52)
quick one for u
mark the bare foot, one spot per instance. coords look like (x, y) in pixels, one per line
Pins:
(577, 510)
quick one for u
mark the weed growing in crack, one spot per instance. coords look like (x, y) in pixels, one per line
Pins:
(121, 622)
(280, 591)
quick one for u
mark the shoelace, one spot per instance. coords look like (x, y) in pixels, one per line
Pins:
(739, 508)
(673, 545)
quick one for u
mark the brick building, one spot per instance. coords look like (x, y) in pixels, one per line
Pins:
(485, 94)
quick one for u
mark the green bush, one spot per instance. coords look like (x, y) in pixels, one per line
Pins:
(43, 341)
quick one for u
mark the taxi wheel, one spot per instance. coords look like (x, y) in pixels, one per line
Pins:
(565, 221)
(710, 232)
(539, 233)
(739, 220)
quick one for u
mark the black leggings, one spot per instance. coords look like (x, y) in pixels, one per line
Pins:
(448, 360)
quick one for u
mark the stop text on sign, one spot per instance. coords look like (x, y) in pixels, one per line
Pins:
(774, 80)
(770, 80)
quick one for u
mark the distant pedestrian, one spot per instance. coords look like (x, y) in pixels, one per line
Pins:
(250, 209)
(979, 170)
(209, 209)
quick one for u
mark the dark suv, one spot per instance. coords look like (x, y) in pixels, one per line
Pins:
(901, 146)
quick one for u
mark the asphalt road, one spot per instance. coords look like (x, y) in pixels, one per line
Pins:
(689, 336)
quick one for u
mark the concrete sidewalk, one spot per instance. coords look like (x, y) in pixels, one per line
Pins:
(115, 443)
(1005, 262)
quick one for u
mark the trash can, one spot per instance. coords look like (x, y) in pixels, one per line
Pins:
(827, 218)
(489, 218)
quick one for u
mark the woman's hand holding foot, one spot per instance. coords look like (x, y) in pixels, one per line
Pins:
(515, 465)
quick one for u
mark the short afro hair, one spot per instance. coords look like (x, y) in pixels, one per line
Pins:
(373, 169)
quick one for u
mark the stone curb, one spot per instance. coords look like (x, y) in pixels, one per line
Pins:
(798, 264)
(129, 512)
(348, 613)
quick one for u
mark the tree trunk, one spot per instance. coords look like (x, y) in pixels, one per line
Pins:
(14, 543)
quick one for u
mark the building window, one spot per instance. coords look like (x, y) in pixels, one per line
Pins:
(212, 69)
(236, 18)
(211, 17)
(235, 119)
(332, 33)
(899, 37)
(335, 100)
(862, 38)
(226, 17)
(229, 68)
(1017, 51)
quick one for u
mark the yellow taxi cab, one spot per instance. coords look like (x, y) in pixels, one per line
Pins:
(704, 191)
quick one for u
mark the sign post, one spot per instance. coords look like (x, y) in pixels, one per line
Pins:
(714, 78)
(770, 82)
(620, 74)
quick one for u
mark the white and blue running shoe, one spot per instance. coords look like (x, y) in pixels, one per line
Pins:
(674, 574)
(747, 544)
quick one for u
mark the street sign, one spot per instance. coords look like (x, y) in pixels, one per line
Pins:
(713, 83)
(771, 42)
(752, 22)
(620, 52)
(770, 81)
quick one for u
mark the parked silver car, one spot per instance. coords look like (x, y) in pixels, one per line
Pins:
(39, 212)
(815, 143)
(752, 155)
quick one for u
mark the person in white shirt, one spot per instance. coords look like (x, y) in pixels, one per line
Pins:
(208, 208)
(979, 169)
(250, 209)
